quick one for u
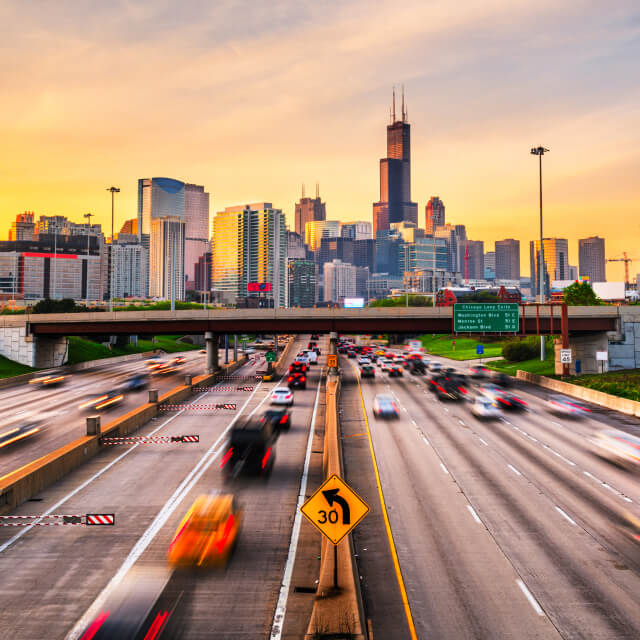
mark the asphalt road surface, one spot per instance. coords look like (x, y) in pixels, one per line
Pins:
(56, 579)
(503, 529)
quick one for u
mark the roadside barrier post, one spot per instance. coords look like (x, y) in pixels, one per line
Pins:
(93, 426)
(188, 380)
(153, 395)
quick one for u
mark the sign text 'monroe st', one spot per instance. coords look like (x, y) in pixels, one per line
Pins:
(498, 317)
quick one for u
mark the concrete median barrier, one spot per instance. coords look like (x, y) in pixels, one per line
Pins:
(337, 612)
(624, 405)
(20, 485)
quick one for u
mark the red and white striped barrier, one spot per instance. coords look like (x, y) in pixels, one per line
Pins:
(101, 518)
(149, 439)
(198, 407)
(214, 389)
(57, 520)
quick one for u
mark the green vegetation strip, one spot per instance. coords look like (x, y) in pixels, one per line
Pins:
(535, 365)
(624, 384)
(9, 368)
(464, 349)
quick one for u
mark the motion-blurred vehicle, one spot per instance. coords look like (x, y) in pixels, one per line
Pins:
(298, 367)
(282, 396)
(17, 433)
(208, 533)
(417, 366)
(501, 378)
(364, 360)
(251, 448)
(508, 400)
(133, 610)
(367, 371)
(385, 364)
(312, 356)
(483, 408)
(49, 379)
(165, 367)
(297, 380)
(395, 371)
(435, 367)
(315, 336)
(618, 447)
(449, 387)
(135, 382)
(280, 419)
(385, 406)
(478, 371)
(103, 401)
(176, 360)
(630, 526)
(351, 353)
(302, 358)
(564, 406)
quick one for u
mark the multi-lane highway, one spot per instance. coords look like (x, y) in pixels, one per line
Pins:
(503, 529)
(56, 410)
(58, 579)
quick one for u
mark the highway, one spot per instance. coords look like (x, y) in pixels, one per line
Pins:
(56, 409)
(58, 579)
(503, 529)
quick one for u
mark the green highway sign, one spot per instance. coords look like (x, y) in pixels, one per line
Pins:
(270, 356)
(493, 317)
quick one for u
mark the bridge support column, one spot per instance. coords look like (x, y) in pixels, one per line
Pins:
(235, 347)
(333, 350)
(583, 350)
(213, 343)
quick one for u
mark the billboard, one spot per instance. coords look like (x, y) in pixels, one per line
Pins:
(253, 287)
(353, 303)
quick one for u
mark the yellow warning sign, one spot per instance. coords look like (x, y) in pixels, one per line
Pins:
(332, 360)
(335, 509)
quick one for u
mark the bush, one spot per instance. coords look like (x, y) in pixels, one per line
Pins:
(526, 349)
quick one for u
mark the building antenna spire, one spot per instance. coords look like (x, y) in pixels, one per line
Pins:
(317, 190)
(303, 189)
(393, 110)
(404, 113)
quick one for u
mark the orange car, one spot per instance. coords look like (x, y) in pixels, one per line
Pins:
(208, 532)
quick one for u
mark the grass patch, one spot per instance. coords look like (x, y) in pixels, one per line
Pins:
(625, 384)
(465, 348)
(82, 350)
(535, 365)
(9, 368)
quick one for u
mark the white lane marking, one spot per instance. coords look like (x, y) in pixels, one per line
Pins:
(507, 422)
(405, 409)
(281, 607)
(514, 469)
(472, 511)
(414, 422)
(159, 521)
(532, 601)
(444, 468)
(555, 453)
(426, 441)
(484, 442)
(461, 422)
(445, 408)
(556, 423)
(564, 515)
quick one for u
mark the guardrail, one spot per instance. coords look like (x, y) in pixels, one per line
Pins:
(20, 485)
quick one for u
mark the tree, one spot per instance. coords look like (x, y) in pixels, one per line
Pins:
(581, 294)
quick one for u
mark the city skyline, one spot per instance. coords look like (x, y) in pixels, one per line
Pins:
(68, 134)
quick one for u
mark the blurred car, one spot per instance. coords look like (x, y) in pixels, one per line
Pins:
(250, 351)
(435, 367)
(317, 350)
(208, 533)
(282, 396)
(176, 360)
(364, 360)
(302, 359)
(562, 405)
(106, 400)
(251, 448)
(618, 447)
(449, 387)
(18, 433)
(395, 371)
(630, 526)
(202, 351)
(501, 378)
(312, 357)
(49, 379)
(417, 366)
(135, 382)
(478, 371)
(315, 336)
(280, 419)
(385, 406)
(367, 371)
(351, 353)
(385, 364)
(298, 367)
(297, 380)
(483, 408)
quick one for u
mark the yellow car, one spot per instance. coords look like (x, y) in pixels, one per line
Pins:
(380, 352)
(208, 532)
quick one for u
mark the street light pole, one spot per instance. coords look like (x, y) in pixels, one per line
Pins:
(540, 151)
(173, 269)
(113, 191)
(55, 257)
(88, 216)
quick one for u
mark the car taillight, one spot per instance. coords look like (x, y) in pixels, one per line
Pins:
(302, 378)
(504, 401)
(462, 389)
(520, 401)
(290, 378)
(284, 419)
(156, 625)
(226, 457)
(221, 543)
(266, 458)
(95, 626)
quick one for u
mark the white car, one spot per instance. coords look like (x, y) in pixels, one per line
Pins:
(364, 360)
(386, 364)
(619, 447)
(312, 357)
(562, 405)
(483, 408)
(282, 396)
(303, 358)
(435, 366)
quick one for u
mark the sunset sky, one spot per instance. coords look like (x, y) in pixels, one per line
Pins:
(252, 99)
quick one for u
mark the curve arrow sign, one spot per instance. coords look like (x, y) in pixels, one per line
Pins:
(331, 496)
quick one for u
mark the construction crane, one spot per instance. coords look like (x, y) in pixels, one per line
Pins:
(627, 261)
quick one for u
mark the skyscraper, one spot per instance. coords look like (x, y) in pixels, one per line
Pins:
(166, 258)
(453, 234)
(339, 281)
(356, 230)
(196, 214)
(556, 259)
(471, 256)
(490, 265)
(395, 175)
(309, 210)
(507, 259)
(249, 245)
(332, 248)
(303, 278)
(433, 214)
(315, 230)
(591, 258)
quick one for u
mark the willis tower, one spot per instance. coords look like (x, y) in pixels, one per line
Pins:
(395, 175)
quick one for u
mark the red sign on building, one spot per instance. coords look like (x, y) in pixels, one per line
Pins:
(259, 286)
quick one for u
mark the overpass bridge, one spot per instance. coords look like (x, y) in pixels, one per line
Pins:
(40, 340)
